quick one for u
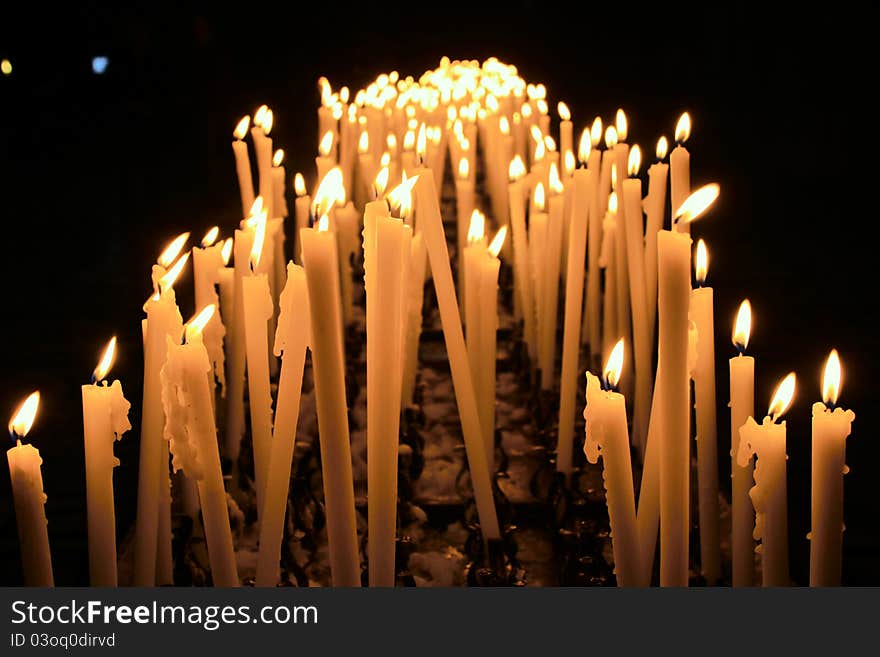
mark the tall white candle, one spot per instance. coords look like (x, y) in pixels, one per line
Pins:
(207, 263)
(521, 268)
(550, 300)
(680, 167)
(655, 208)
(243, 164)
(592, 157)
(301, 214)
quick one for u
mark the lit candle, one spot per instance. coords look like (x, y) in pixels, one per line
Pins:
(26, 479)
(537, 261)
(767, 442)
(831, 426)
(263, 121)
(243, 164)
(207, 263)
(655, 207)
(471, 259)
(320, 260)
(464, 204)
(276, 232)
(291, 342)
(279, 185)
(680, 166)
(702, 314)
(105, 419)
(366, 163)
(607, 436)
(566, 128)
(589, 154)
(325, 160)
(607, 260)
(301, 214)
(521, 258)
(192, 435)
(550, 272)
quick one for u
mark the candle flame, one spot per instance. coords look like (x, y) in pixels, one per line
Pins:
(701, 262)
(329, 193)
(612, 202)
(210, 237)
(782, 397)
(504, 126)
(831, 379)
(563, 110)
(550, 143)
(568, 163)
(381, 182)
(391, 141)
(268, 120)
(584, 146)
(259, 239)
(477, 227)
(634, 162)
(683, 128)
(323, 224)
(742, 327)
(542, 106)
(242, 127)
(464, 168)
(385, 160)
(697, 203)
(173, 250)
(278, 158)
(24, 417)
(516, 169)
(540, 151)
(553, 179)
(596, 132)
(168, 280)
(409, 141)
(197, 324)
(336, 113)
(613, 175)
(526, 110)
(536, 133)
(226, 250)
(498, 242)
(539, 197)
(299, 184)
(662, 147)
(611, 137)
(400, 197)
(421, 142)
(344, 94)
(620, 123)
(106, 361)
(326, 144)
(614, 366)
(260, 114)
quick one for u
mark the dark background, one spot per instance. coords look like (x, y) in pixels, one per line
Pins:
(97, 173)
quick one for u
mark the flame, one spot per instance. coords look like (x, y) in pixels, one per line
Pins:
(173, 250)
(197, 324)
(564, 113)
(391, 141)
(210, 237)
(421, 142)
(620, 123)
(584, 147)
(256, 207)
(385, 160)
(299, 184)
(267, 122)
(553, 179)
(683, 128)
(464, 168)
(242, 127)
(409, 140)
(550, 143)
(634, 161)
(612, 202)
(451, 114)
(782, 397)
(23, 419)
(614, 366)
(568, 162)
(381, 181)
(477, 227)
(167, 281)
(540, 151)
(538, 197)
(742, 327)
(701, 264)
(337, 111)
(526, 110)
(329, 193)
(610, 137)
(596, 132)
(323, 224)
(536, 134)
(100, 372)
(326, 144)
(831, 379)
(614, 175)
(662, 147)
(697, 203)
(516, 169)
(498, 242)
(260, 115)
(259, 238)
(363, 142)
(278, 158)
(543, 108)
(401, 196)
(226, 251)
(344, 94)
(504, 126)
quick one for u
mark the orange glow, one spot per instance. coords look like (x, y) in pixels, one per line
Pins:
(173, 250)
(226, 250)
(742, 327)
(326, 144)
(464, 168)
(516, 169)
(391, 141)
(596, 132)
(634, 162)
(662, 147)
(612, 202)
(568, 163)
(210, 237)
(614, 176)
(23, 419)
(260, 115)
(168, 280)
(268, 120)
(549, 143)
(697, 203)
(539, 197)
(299, 184)
(409, 140)
(563, 110)
(542, 106)
(278, 158)
(621, 124)
(329, 193)
(401, 196)
(701, 262)
(477, 227)
(782, 397)
(614, 366)
(242, 127)
(831, 379)
(106, 361)
(610, 137)
(197, 324)
(504, 126)
(498, 242)
(421, 142)
(323, 224)
(683, 128)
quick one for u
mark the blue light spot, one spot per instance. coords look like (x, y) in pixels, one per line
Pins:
(99, 64)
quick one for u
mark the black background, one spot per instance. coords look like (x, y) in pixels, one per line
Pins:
(98, 172)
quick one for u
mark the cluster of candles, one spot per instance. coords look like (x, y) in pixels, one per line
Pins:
(579, 227)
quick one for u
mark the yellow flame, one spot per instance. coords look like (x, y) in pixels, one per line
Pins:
(326, 144)
(391, 141)
(168, 280)
(662, 147)
(621, 124)
(553, 179)
(596, 132)
(614, 366)
(526, 110)
(23, 419)
(197, 324)
(323, 224)
(614, 175)
(564, 113)
(210, 237)
(259, 239)
(782, 397)
(401, 196)
(612, 202)
(385, 160)
(697, 203)
(477, 227)
(464, 168)
(299, 184)
(173, 250)
(260, 115)
(742, 327)
(540, 151)
(226, 250)
(498, 242)
(381, 182)
(106, 361)
(701, 262)
(539, 197)
(516, 169)
(635, 161)
(278, 158)
(610, 137)
(504, 126)
(242, 127)
(568, 162)
(550, 143)
(337, 111)
(543, 108)
(330, 192)
(584, 146)
(344, 94)
(536, 134)
(409, 140)
(831, 379)
(683, 128)
(421, 141)
(268, 120)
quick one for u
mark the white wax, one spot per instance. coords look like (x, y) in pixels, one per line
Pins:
(26, 479)
(243, 171)
(742, 407)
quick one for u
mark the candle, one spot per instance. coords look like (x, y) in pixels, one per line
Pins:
(831, 426)
(279, 189)
(325, 160)
(607, 260)
(320, 260)
(105, 419)
(550, 271)
(415, 298)
(291, 342)
(207, 263)
(276, 229)
(607, 436)
(769, 497)
(566, 129)
(521, 258)
(673, 257)
(592, 157)
(152, 530)
(192, 435)
(537, 262)
(462, 380)
(702, 315)
(347, 219)
(680, 166)
(464, 204)
(263, 122)
(26, 478)
(655, 207)
(471, 260)
(301, 214)
(742, 407)
(243, 164)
